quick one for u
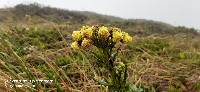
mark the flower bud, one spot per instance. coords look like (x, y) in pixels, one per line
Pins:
(85, 43)
(76, 35)
(74, 45)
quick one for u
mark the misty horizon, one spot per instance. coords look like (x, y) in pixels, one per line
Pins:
(184, 16)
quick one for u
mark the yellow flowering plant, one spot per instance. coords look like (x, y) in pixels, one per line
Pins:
(105, 39)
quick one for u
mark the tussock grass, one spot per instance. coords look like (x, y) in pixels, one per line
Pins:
(156, 62)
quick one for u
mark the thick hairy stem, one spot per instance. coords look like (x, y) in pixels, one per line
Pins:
(118, 79)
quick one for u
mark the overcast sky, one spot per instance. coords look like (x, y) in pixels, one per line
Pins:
(175, 12)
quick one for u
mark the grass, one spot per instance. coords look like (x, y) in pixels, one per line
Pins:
(155, 63)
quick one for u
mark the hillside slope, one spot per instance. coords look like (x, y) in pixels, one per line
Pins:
(35, 44)
(42, 14)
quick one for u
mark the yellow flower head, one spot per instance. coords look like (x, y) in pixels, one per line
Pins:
(127, 38)
(85, 43)
(74, 45)
(87, 31)
(117, 36)
(76, 35)
(103, 32)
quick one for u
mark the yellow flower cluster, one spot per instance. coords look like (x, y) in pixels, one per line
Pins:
(127, 38)
(98, 34)
(117, 36)
(87, 31)
(103, 32)
(76, 35)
